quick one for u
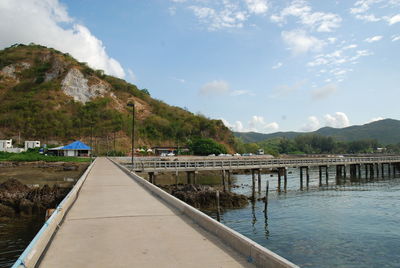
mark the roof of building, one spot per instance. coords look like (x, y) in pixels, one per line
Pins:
(76, 145)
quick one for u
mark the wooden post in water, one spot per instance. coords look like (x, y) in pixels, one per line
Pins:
(154, 178)
(285, 179)
(326, 175)
(383, 170)
(344, 172)
(371, 168)
(320, 175)
(366, 172)
(259, 181)
(308, 176)
(218, 210)
(266, 200)
(229, 178)
(301, 178)
(223, 181)
(187, 177)
(253, 185)
(359, 171)
(176, 178)
(279, 180)
(377, 170)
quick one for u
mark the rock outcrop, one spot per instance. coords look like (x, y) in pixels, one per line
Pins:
(204, 197)
(76, 85)
(19, 199)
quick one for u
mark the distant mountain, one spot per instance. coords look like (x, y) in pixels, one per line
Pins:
(385, 131)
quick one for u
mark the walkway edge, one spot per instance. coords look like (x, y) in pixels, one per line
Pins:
(37, 246)
(255, 253)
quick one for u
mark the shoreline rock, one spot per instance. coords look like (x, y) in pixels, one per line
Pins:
(204, 197)
(17, 199)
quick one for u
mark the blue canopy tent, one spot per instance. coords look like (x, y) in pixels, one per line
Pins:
(77, 148)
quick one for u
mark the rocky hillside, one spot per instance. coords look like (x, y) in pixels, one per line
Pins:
(48, 95)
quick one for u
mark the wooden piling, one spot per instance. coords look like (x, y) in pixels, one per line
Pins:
(266, 200)
(279, 180)
(259, 181)
(285, 179)
(223, 181)
(320, 175)
(308, 177)
(218, 209)
(326, 175)
(301, 178)
(253, 185)
(176, 178)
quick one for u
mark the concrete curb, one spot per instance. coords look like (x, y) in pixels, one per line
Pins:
(38, 245)
(255, 253)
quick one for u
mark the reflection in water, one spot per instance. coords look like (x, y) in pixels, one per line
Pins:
(354, 223)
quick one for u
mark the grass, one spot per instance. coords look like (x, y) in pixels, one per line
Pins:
(33, 156)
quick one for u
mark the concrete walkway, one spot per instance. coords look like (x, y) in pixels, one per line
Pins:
(117, 223)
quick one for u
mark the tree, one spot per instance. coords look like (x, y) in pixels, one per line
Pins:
(206, 146)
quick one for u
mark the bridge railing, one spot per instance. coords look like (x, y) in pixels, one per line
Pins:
(240, 163)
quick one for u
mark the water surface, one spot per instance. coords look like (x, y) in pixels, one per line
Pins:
(356, 224)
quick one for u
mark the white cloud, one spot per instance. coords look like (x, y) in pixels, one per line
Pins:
(131, 75)
(300, 42)
(368, 18)
(216, 87)
(324, 92)
(180, 80)
(337, 120)
(373, 39)
(312, 124)
(395, 38)
(255, 124)
(47, 22)
(395, 19)
(257, 6)
(225, 15)
(278, 65)
(241, 92)
(379, 118)
(319, 21)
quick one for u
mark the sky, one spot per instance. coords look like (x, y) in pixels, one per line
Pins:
(258, 65)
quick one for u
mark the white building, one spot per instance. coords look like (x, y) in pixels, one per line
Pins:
(5, 144)
(31, 145)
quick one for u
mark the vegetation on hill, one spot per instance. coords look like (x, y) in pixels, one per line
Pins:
(34, 106)
(385, 132)
(316, 144)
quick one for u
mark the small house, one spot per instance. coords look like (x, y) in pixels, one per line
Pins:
(77, 148)
(5, 144)
(31, 145)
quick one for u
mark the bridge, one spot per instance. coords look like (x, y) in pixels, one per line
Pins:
(235, 163)
(114, 218)
(192, 165)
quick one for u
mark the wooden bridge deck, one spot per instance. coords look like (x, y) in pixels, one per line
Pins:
(117, 223)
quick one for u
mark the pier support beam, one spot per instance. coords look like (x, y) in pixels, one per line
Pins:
(224, 180)
(153, 177)
(301, 177)
(259, 181)
(285, 179)
(253, 185)
(279, 180)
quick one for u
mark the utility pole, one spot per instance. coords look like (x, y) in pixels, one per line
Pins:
(132, 104)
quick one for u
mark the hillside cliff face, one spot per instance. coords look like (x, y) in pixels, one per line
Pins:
(48, 95)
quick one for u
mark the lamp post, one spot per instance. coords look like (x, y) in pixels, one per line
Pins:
(132, 104)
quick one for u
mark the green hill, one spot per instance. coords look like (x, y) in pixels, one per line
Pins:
(48, 95)
(385, 131)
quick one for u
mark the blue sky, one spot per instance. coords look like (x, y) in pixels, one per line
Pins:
(260, 65)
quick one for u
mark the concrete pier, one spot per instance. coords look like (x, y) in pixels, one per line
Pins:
(117, 223)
